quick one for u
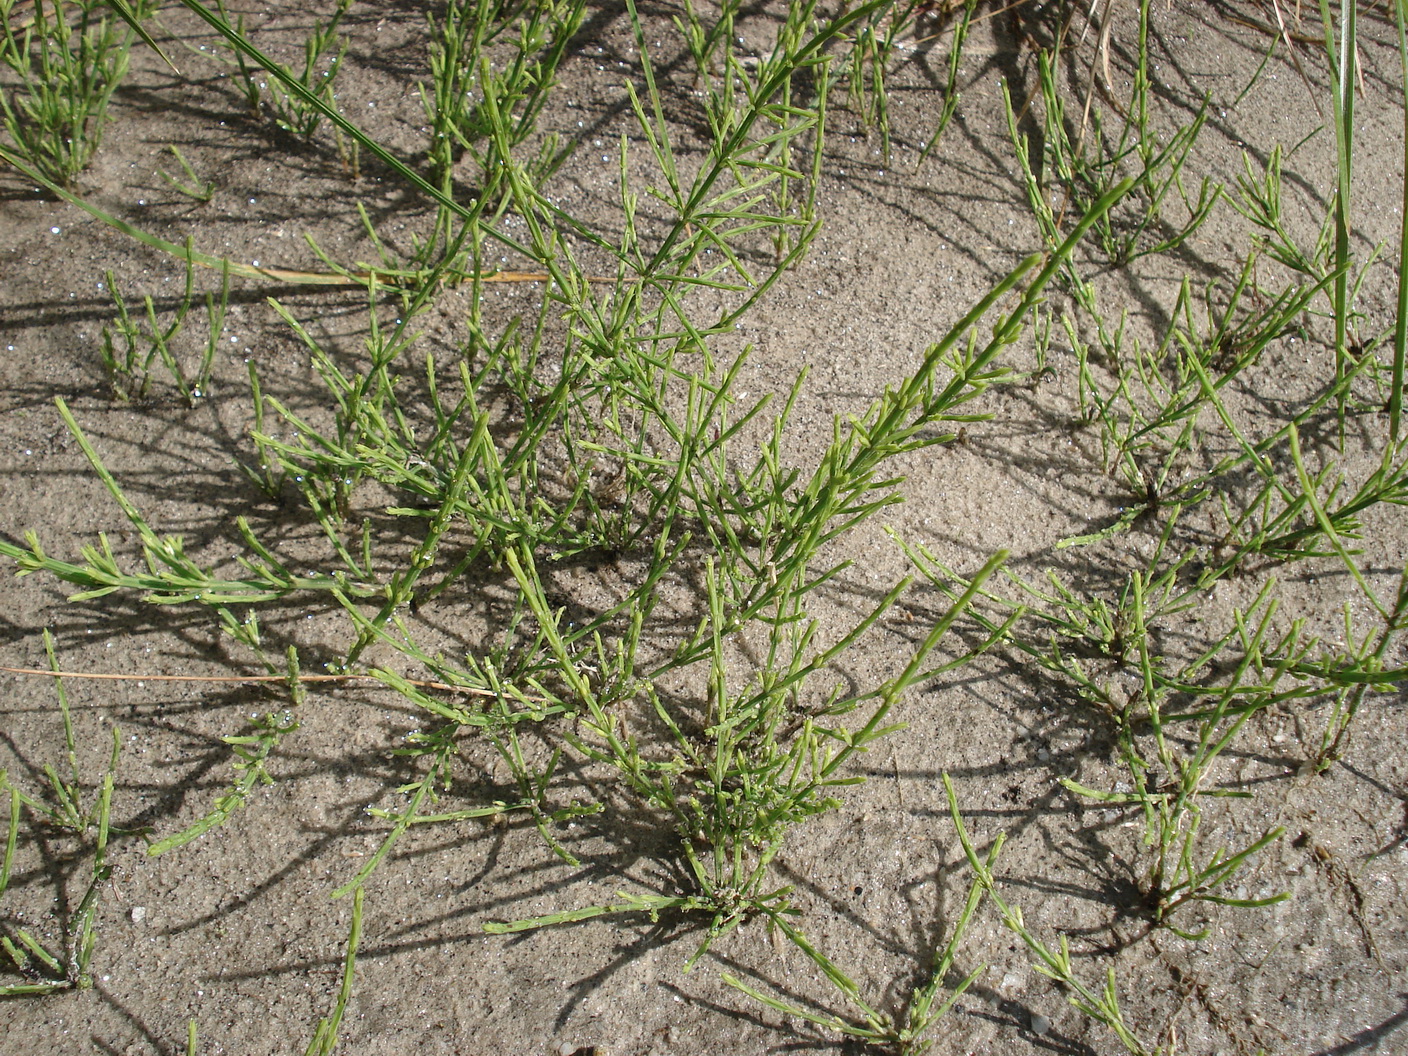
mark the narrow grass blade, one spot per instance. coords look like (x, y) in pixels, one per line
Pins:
(126, 14)
(1400, 323)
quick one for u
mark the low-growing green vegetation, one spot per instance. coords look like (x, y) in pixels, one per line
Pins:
(607, 423)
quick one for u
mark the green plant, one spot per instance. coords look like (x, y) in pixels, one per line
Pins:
(290, 110)
(1150, 404)
(1400, 326)
(766, 140)
(755, 757)
(1171, 781)
(908, 1036)
(875, 42)
(1102, 1006)
(1363, 653)
(602, 422)
(252, 751)
(60, 806)
(766, 761)
(130, 354)
(1341, 53)
(1352, 673)
(68, 58)
(1258, 199)
(324, 1040)
(1085, 162)
(171, 577)
(951, 93)
(193, 187)
(1182, 714)
(467, 94)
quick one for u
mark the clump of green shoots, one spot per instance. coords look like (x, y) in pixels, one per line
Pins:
(1173, 716)
(468, 96)
(764, 761)
(876, 43)
(189, 184)
(1102, 1006)
(44, 968)
(767, 760)
(323, 52)
(67, 57)
(605, 424)
(752, 756)
(132, 351)
(909, 1034)
(1151, 404)
(1083, 162)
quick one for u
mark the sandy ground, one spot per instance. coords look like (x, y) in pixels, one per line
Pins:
(237, 931)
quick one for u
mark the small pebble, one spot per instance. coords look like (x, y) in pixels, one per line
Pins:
(1040, 1024)
(138, 914)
